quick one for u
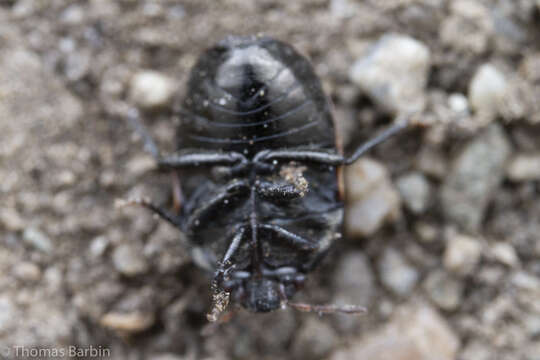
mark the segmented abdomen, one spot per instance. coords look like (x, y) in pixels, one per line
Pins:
(249, 94)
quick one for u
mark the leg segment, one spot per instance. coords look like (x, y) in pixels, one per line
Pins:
(322, 156)
(186, 158)
(292, 239)
(233, 188)
(174, 220)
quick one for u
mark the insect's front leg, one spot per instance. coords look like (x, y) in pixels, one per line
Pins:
(184, 158)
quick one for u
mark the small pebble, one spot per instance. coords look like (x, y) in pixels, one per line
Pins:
(353, 280)
(474, 178)
(11, 220)
(98, 246)
(415, 191)
(415, 332)
(129, 261)
(462, 254)
(27, 271)
(427, 233)
(444, 290)
(458, 103)
(487, 89)
(505, 254)
(314, 339)
(396, 273)
(139, 165)
(151, 90)
(37, 239)
(524, 167)
(372, 199)
(130, 323)
(394, 73)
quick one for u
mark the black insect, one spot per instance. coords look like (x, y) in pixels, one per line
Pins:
(259, 163)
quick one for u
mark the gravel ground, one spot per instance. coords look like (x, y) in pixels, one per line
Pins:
(442, 221)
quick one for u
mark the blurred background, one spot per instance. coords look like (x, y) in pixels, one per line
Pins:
(443, 221)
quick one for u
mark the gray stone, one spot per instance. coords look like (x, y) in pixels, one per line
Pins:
(487, 89)
(10, 219)
(415, 191)
(372, 199)
(314, 339)
(151, 89)
(353, 280)
(37, 239)
(475, 175)
(129, 261)
(505, 254)
(468, 28)
(462, 254)
(396, 273)
(394, 73)
(427, 233)
(524, 167)
(27, 271)
(444, 290)
(416, 332)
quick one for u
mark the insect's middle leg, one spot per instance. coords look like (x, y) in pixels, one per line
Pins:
(322, 156)
(290, 238)
(234, 188)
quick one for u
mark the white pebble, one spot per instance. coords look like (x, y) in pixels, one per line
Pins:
(394, 73)
(487, 89)
(150, 89)
(462, 254)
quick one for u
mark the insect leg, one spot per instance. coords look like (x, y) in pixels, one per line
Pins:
(186, 158)
(196, 158)
(324, 156)
(173, 219)
(136, 124)
(292, 239)
(220, 298)
(401, 123)
(236, 187)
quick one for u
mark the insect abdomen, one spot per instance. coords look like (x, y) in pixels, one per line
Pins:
(253, 93)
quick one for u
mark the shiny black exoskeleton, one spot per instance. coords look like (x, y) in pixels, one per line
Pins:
(258, 167)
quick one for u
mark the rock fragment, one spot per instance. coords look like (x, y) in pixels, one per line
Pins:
(151, 89)
(462, 254)
(444, 290)
(416, 332)
(524, 167)
(415, 191)
(314, 340)
(394, 73)
(371, 198)
(474, 177)
(396, 273)
(487, 90)
(131, 322)
(129, 261)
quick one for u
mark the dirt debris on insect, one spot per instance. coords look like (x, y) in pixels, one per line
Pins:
(293, 173)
